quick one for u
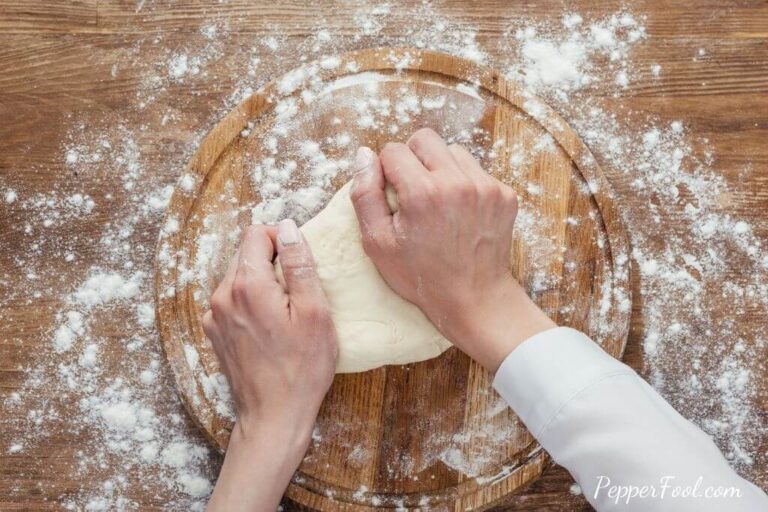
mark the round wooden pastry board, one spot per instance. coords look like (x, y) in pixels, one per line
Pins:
(432, 434)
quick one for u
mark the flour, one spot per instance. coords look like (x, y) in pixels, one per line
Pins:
(65, 335)
(178, 66)
(145, 313)
(120, 416)
(187, 182)
(698, 352)
(102, 288)
(568, 62)
(191, 355)
(216, 389)
(149, 375)
(89, 356)
(159, 201)
(330, 62)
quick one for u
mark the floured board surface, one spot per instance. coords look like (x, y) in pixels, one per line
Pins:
(427, 435)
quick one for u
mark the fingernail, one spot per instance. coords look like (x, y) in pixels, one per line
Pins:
(363, 159)
(288, 232)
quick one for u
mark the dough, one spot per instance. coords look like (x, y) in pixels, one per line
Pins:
(375, 326)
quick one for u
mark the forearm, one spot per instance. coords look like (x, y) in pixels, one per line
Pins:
(612, 431)
(260, 461)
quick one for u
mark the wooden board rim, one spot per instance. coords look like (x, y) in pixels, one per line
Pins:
(222, 135)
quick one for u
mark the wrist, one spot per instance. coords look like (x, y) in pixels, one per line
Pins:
(288, 429)
(261, 459)
(276, 437)
(490, 328)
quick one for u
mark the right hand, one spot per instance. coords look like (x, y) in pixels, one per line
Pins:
(447, 247)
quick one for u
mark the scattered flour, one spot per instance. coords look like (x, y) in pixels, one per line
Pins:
(146, 314)
(697, 352)
(569, 61)
(103, 288)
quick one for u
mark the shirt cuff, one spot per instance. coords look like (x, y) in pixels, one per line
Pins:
(548, 370)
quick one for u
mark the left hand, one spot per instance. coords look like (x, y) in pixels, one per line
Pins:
(278, 349)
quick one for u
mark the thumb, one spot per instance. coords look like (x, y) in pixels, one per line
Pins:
(369, 198)
(298, 266)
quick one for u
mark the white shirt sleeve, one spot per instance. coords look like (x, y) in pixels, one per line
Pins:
(627, 448)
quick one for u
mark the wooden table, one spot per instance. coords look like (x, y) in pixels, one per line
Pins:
(65, 61)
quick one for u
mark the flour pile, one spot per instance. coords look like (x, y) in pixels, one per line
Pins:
(698, 353)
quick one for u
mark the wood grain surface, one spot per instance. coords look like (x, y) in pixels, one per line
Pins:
(75, 60)
(412, 415)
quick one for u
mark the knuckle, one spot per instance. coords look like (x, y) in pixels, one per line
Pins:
(424, 133)
(240, 287)
(358, 192)
(208, 323)
(419, 137)
(218, 304)
(392, 148)
(298, 265)
(473, 189)
(253, 229)
(414, 141)
(514, 201)
(509, 196)
(252, 232)
(427, 159)
(464, 190)
(491, 190)
(388, 148)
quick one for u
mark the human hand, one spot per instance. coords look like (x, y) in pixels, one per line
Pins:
(277, 347)
(447, 247)
(278, 350)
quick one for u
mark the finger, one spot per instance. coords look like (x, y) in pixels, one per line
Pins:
(271, 232)
(212, 333)
(468, 164)
(255, 277)
(403, 169)
(222, 295)
(209, 326)
(510, 202)
(257, 252)
(369, 198)
(432, 151)
(298, 265)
